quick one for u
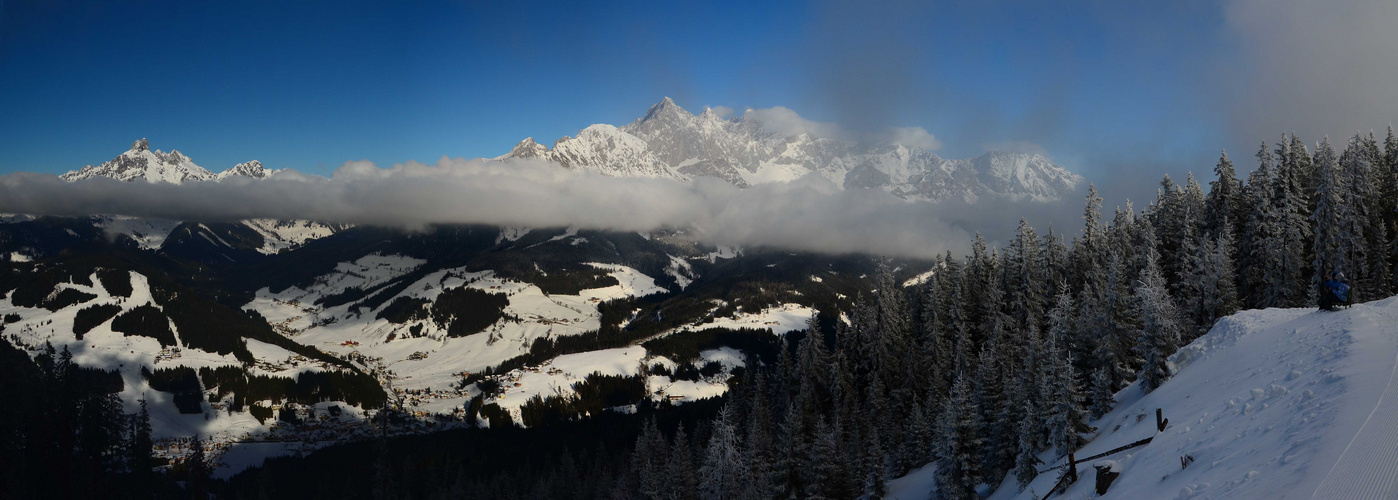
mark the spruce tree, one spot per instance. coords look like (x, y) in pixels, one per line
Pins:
(958, 470)
(1102, 393)
(793, 454)
(1288, 249)
(759, 445)
(1024, 267)
(1329, 217)
(679, 469)
(1056, 261)
(1064, 415)
(1363, 234)
(1286, 284)
(1259, 228)
(812, 364)
(1027, 461)
(648, 461)
(724, 474)
(1119, 318)
(1161, 330)
(1212, 290)
(987, 393)
(1388, 204)
(1225, 199)
(917, 439)
(875, 467)
(198, 468)
(141, 446)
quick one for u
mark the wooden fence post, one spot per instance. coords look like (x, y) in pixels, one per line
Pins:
(1160, 421)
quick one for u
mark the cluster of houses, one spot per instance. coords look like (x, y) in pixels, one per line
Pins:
(283, 327)
(178, 450)
(511, 379)
(418, 397)
(167, 354)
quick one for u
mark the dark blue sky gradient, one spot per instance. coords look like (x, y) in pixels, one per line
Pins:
(309, 86)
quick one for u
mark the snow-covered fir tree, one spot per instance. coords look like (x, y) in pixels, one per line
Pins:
(1027, 461)
(724, 474)
(1160, 329)
(958, 470)
(1225, 200)
(1330, 217)
(1287, 252)
(1260, 226)
(1064, 414)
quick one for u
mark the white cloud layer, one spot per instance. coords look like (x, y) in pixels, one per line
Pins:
(808, 214)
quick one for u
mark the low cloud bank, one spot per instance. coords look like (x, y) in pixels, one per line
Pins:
(809, 214)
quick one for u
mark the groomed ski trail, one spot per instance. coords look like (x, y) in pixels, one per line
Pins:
(1368, 467)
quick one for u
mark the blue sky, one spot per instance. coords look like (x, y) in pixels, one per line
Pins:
(1102, 88)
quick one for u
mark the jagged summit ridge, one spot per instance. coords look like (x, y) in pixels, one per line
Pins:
(670, 142)
(252, 169)
(140, 163)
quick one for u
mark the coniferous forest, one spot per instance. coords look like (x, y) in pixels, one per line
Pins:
(66, 434)
(1001, 355)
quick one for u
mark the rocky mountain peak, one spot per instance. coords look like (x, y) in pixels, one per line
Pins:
(252, 169)
(140, 163)
(666, 109)
(527, 148)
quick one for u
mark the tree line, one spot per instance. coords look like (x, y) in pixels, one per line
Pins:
(1006, 353)
(64, 433)
(1000, 356)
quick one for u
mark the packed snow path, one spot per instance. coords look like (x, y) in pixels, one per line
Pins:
(1369, 465)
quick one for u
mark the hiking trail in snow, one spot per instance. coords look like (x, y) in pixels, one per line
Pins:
(1368, 466)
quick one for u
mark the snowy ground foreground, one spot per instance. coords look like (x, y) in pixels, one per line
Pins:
(1275, 403)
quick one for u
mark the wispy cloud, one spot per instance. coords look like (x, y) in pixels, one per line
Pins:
(785, 122)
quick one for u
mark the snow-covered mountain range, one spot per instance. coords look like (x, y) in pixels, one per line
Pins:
(140, 163)
(670, 142)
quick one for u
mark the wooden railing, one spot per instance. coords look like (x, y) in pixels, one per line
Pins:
(1071, 474)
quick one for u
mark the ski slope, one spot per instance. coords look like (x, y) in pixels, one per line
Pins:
(1275, 403)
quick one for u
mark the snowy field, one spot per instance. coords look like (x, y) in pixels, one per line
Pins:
(1275, 403)
(431, 359)
(779, 319)
(103, 348)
